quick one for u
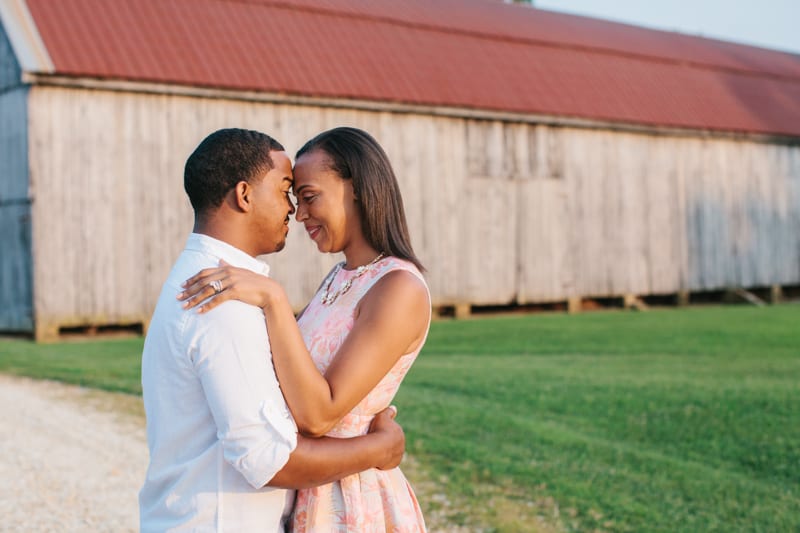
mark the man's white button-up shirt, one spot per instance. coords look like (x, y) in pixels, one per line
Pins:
(218, 428)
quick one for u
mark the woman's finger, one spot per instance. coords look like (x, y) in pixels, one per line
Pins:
(202, 285)
(202, 296)
(192, 290)
(195, 284)
(214, 301)
(197, 299)
(199, 292)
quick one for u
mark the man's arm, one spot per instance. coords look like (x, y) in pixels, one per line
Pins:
(319, 461)
(254, 425)
(229, 353)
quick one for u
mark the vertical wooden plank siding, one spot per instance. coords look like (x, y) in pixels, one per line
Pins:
(16, 299)
(499, 212)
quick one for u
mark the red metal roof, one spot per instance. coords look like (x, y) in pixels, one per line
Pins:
(465, 53)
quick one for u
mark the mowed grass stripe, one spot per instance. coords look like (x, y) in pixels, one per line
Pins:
(652, 411)
(694, 331)
(557, 431)
(112, 365)
(586, 469)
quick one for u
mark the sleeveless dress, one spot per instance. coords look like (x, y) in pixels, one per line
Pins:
(373, 501)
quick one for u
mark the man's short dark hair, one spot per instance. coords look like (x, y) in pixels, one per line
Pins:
(222, 160)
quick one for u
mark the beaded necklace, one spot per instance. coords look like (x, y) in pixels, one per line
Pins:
(328, 298)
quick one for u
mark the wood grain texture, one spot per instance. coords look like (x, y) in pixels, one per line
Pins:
(16, 288)
(499, 212)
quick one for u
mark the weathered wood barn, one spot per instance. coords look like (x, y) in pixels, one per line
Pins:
(542, 157)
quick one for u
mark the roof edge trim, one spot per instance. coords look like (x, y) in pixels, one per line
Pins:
(397, 107)
(24, 36)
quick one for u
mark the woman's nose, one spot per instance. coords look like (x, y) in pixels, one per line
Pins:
(300, 214)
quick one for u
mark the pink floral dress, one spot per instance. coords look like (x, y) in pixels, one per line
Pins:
(374, 500)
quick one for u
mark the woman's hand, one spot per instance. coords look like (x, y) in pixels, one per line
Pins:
(213, 286)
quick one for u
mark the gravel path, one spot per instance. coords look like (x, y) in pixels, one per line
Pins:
(70, 458)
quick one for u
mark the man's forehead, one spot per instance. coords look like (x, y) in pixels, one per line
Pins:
(282, 162)
(280, 155)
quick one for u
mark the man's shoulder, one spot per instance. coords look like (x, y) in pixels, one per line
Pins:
(232, 314)
(233, 320)
(189, 263)
(228, 318)
(169, 312)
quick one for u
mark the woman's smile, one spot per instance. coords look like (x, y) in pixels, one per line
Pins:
(313, 231)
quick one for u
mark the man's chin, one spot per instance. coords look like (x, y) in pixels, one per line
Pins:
(275, 248)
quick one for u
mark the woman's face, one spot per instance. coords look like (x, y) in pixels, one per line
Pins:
(325, 203)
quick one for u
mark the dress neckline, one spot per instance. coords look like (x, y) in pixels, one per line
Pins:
(353, 272)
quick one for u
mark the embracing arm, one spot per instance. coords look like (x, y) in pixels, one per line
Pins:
(391, 320)
(318, 461)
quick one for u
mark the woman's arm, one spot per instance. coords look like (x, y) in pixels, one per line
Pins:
(391, 320)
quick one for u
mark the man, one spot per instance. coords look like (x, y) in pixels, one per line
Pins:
(223, 445)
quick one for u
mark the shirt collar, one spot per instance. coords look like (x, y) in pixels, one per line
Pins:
(216, 248)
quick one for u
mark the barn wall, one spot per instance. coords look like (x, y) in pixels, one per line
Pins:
(109, 165)
(498, 211)
(16, 300)
(10, 74)
(112, 170)
(607, 213)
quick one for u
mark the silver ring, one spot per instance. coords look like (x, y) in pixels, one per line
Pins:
(216, 285)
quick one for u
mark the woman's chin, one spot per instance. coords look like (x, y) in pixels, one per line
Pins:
(325, 248)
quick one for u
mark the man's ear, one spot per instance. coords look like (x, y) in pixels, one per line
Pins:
(242, 196)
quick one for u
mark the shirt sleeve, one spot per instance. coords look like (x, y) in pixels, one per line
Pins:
(231, 357)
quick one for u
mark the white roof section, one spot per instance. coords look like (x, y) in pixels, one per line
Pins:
(24, 37)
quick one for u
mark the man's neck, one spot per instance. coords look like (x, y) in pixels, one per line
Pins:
(224, 233)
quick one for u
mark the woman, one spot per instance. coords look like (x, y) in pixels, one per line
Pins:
(344, 358)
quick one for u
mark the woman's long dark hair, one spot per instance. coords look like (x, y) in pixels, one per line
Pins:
(355, 155)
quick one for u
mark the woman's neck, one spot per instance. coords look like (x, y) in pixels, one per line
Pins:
(356, 256)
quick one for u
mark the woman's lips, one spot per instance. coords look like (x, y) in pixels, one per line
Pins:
(313, 231)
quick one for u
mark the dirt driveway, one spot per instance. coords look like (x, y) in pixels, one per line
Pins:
(71, 459)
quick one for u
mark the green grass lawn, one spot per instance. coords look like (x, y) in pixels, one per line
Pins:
(113, 365)
(670, 420)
